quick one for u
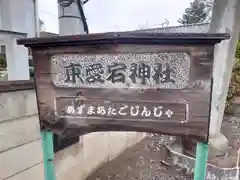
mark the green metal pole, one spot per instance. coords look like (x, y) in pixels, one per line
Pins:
(201, 161)
(48, 155)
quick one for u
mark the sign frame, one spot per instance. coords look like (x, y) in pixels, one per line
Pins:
(200, 48)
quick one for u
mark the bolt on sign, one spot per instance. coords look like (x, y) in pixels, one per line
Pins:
(144, 82)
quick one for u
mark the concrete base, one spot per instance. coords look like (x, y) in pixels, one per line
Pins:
(218, 146)
(175, 157)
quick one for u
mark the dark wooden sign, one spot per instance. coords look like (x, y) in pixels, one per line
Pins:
(125, 82)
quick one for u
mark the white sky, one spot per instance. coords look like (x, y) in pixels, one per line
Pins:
(112, 15)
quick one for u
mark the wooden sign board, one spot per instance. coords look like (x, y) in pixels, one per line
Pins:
(125, 82)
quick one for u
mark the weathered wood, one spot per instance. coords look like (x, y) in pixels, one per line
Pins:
(126, 38)
(187, 95)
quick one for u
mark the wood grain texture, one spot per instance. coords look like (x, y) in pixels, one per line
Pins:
(196, 94)
(126, 38)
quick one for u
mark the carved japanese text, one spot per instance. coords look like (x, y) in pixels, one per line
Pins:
(143, 70)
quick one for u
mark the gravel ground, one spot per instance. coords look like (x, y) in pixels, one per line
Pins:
(144, 160)
(141, 162)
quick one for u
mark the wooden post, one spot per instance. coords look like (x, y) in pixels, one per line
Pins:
(201, 161)
(48, 155)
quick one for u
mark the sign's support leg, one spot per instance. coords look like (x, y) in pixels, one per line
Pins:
(48, 155)
(201, 161)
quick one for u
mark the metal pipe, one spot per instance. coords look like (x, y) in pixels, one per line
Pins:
(84, 21)
(36, 18)
(48, 155)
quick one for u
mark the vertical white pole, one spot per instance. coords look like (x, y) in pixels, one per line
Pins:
(17, 60)
(225, 19)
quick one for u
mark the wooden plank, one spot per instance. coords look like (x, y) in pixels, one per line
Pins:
(125, 38)
(195, 61)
